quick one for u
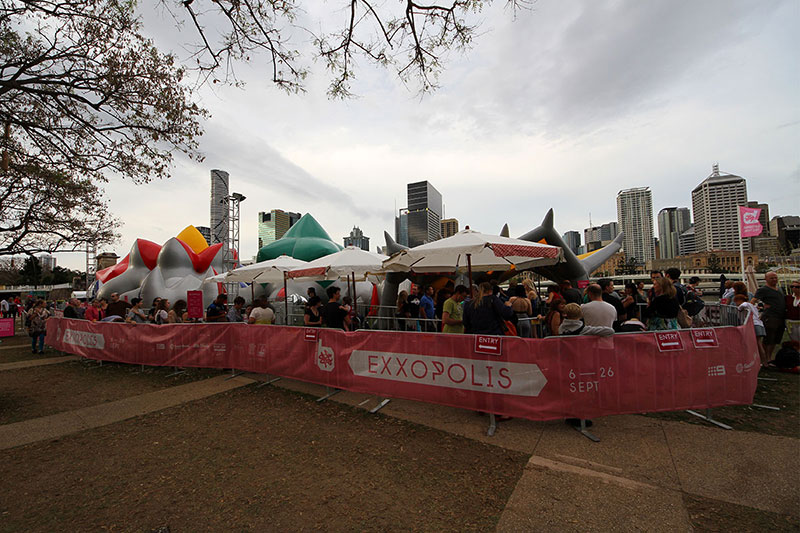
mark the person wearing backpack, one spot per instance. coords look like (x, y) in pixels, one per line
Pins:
(37, 319)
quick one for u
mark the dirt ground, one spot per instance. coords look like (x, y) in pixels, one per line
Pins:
(46, 390)
(783, 393)
(257, 459)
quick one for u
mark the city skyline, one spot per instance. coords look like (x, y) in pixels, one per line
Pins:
(500, 143)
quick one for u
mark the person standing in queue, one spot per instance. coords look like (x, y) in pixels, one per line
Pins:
(486, 313)
(217, 312)
(262, 313)
(333, 313)
(453, 312)
(312, 316)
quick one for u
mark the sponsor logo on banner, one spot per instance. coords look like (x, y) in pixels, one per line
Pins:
(668, 341)
(749, 366)
(704, 338)
(84, 338)
(518, 379)
(324, 357)
(716, 370)
(489, 345)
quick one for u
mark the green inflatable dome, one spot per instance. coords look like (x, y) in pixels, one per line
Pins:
(305, 240)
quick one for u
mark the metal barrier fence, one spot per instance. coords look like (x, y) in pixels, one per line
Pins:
(712, 315)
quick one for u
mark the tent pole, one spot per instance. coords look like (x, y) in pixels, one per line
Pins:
(285, 299)
(355, 298)
(469, 272)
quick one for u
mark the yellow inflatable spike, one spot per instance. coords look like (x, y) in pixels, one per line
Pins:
(193, 238)
(583, 256)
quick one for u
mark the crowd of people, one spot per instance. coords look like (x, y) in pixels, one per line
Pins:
(598, 309)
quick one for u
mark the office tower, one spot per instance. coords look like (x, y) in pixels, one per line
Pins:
(573, 241)
(47, 262)
(598, 236)
(716, 215)
(763, 218)
(787, 231)
(205, 231)
(424, 213)
(449, 227)
(686, 244)
(401, 227)
(609, 232)
(357, 239)
(219, 209)
(635, 217)
(274, 224)
(672, 222)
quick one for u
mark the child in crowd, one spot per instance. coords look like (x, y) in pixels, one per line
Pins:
(740, 301)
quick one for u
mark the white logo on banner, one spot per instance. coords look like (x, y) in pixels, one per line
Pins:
(324, 357)
(519, 379)
(84, 338)
(718, 370)
(749, 366)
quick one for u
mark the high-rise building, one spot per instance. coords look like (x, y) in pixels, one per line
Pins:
(449, 227)
(357, 239)
(763, 218)
(598, 236)
(274, 224)
(787, 231)
(401, 227)
(573, 241)
(716, 215)
(424, 213)
(672, 222)
(686, 244)
(219, 209)
(47, 262)
(635, 217)
(205, 231)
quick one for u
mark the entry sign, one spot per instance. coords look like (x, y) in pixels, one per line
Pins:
(194, 304)
(668, 341)
(583, 283)
(310, 334)
(489, 345)
(704, 338)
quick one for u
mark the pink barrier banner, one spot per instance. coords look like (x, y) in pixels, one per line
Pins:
(7, 327)
(538, 379)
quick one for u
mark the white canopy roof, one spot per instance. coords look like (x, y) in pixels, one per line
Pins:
(348, 262)
(485, 252)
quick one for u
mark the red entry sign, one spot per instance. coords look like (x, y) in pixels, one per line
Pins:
(194, 304)
(583, 283)
(310, 334)
(704, 338)
(668, 341)
(488, 345)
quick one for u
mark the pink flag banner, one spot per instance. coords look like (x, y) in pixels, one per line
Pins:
(748, 221)
(537, 379)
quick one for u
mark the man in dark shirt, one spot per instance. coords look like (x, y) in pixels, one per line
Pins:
(774, 314)
(216, 312)
(71, 310)
(611, 297)
(333, 313)
(571, 295)
(117, 307)
(680, 290)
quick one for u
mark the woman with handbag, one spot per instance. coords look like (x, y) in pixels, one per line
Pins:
(38, 327)
(486, 314)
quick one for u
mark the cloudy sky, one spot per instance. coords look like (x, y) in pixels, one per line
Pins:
(561, 106)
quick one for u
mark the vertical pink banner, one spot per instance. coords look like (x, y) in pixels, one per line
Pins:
(6, 327)
(748, 221)
(194, 304)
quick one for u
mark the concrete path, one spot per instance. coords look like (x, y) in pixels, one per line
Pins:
(644, 465)
(58, 425)
(36, 362)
